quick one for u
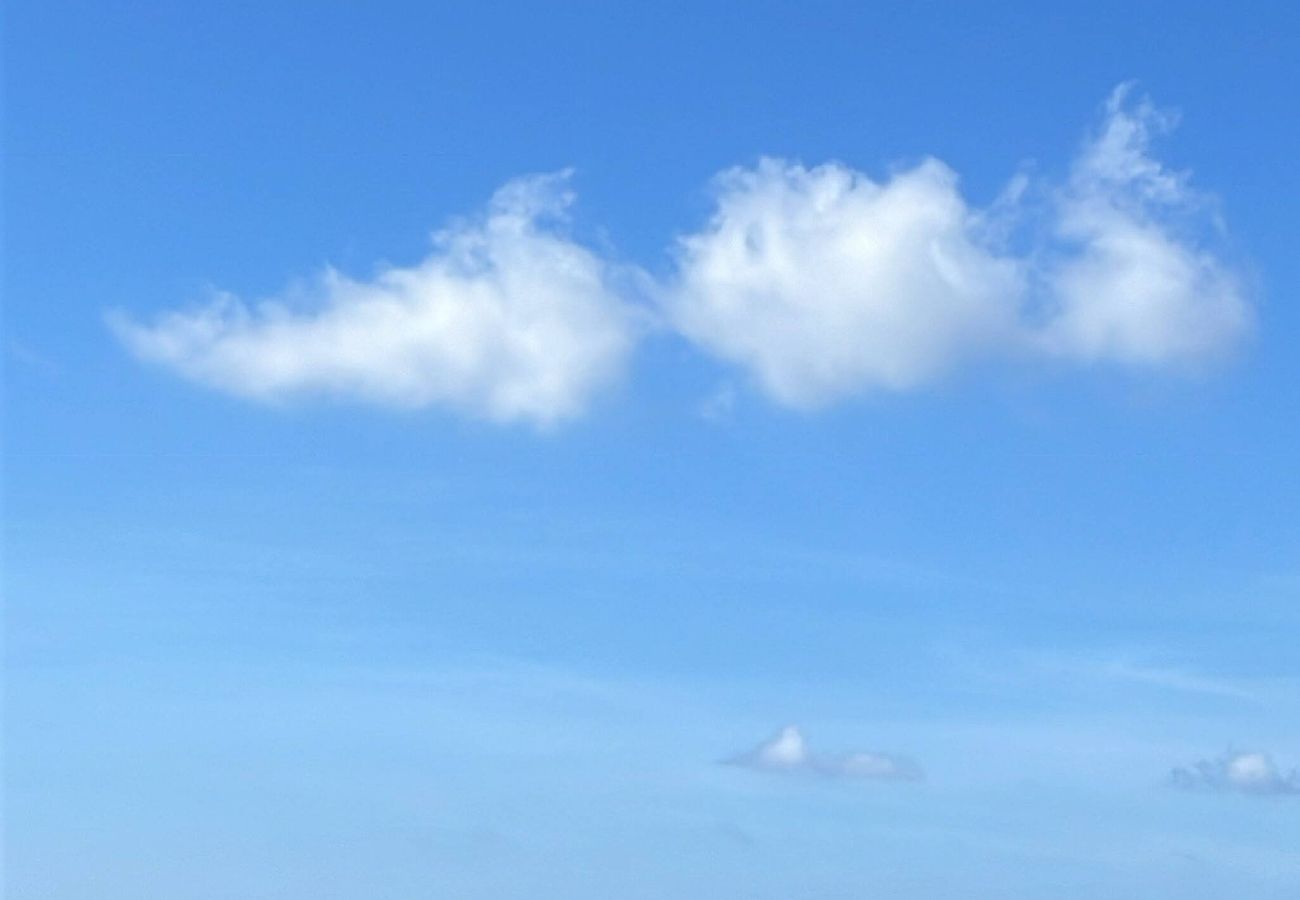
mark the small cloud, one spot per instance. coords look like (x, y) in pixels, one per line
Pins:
(787, 751)
(1240, 772)
(784, 751)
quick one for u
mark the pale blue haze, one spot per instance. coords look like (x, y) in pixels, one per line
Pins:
(324, 650)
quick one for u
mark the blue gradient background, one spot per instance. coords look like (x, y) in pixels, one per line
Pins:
(333, 652)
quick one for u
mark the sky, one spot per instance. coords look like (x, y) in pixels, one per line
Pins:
(638, 451)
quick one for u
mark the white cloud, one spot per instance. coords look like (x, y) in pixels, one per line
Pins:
(787, 751)
(508, 319)
(823, 283)
(819, 283)
(1245, 773)
(1135, 287)
(784, 751)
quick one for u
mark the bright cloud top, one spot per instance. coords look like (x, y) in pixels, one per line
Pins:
(1243, 773)
(506, 320)
(823, 283)
(818, 283)
(787, 751)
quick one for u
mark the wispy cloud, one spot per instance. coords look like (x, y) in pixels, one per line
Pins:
(1240, 772)
(1132, 285)
(1129, 670)
(719, 404)
(1174, 679)
(787, 751)
(31, 359)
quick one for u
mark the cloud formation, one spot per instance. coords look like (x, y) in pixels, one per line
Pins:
(507, 319)
(819, 284)
(1243, 773)
(1132, 286)
(787, 751)
(822, 283)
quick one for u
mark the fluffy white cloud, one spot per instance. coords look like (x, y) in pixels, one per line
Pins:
(1134, 287)
(1245, 773)
(507, 319)
(787, 751)
(823, 283)
(820, 283)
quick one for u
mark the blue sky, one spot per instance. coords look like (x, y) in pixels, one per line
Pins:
(918, 381)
